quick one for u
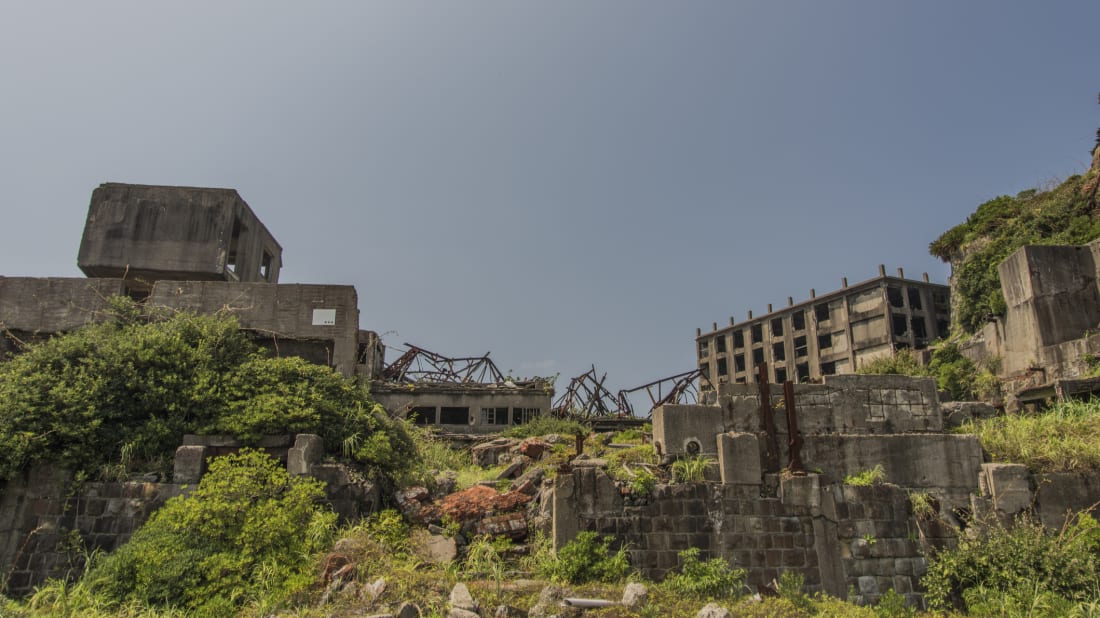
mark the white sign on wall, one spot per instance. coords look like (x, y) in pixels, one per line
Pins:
(324, 317)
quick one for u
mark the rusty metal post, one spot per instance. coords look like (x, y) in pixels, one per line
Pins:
(794, 436)
(767, 420)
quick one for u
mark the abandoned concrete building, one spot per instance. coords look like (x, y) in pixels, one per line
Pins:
(195, 249)
(826, 335)
(459, 395)
(1048, 340)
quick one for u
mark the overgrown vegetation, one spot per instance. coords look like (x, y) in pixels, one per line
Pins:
(128, 388)
(690, 469)
(247, 533)
(1063, 438)
(712, 579)
(955, 374)
(587, 558)
(1019, 570)
(1061, 216)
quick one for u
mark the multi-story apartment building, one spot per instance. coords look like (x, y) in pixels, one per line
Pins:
(834, 333)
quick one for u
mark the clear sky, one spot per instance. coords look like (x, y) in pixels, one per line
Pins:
(561, 182)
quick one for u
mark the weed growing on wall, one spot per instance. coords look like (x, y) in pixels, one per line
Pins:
(1061, 439)
(690, 469)
(867, 478)
(587, 558)
(712, 579)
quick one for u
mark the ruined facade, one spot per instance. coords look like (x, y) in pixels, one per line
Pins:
(827, 335)
(465, 408)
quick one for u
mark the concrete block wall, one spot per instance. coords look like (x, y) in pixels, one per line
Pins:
(48, 522)
(839, 538)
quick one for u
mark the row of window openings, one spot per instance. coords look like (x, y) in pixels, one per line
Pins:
(802, 372)
(779, 353)
(460, 415)
(756, 332)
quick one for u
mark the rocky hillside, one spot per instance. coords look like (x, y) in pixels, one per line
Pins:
(1065, 215)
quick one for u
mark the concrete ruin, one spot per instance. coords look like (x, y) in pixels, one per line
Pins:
(465, 408)
(191, 249)
(145, 234)
(757, 511)
(1048, 341)
(831, 334)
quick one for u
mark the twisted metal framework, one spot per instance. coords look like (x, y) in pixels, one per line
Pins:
(586, 397)
(680, 388)
(420, 365)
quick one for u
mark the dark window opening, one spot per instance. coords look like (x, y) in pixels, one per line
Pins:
(265, 266)
(914, 298)
(757, 333)
(802, 370)
(704, 348)
(894, 297)
(942, 327)
(137, 294)
(454, 416)
(494, 416)
(778, 352)
(741, 380)
(777, 327)
(722, 367)
(524, 415)
(234, 245)
(821, 312)
(919, 331)
(739, 363)
(901, 326)
(738, 339)
(825, 341)
(800, 347)
(780, 375)
(704, 370)
(828, 369)
(940, 301)
(720, 344)
(798, 320)
(757, 356)
(423, 415)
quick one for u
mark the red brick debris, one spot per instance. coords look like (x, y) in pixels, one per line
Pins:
(479, 501)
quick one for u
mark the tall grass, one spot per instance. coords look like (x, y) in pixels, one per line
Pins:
(1065, 438)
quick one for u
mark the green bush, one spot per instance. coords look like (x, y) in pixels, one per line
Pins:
(955, 374)
(1022, 561)
(134, 384)
(248, 532)
(712, 579)
(587, 558)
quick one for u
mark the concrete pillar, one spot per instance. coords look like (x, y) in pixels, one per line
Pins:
(189, 465)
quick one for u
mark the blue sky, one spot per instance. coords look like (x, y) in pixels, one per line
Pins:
(561, 183)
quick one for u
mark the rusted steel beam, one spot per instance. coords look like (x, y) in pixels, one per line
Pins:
(767, 420)
(794, 436)
(420, 365)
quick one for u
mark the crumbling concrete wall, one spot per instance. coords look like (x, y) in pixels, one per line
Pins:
(1052, 297)
(837, 537)
(49, 522)
(30, 306)
(149, 233)
(326, 316)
